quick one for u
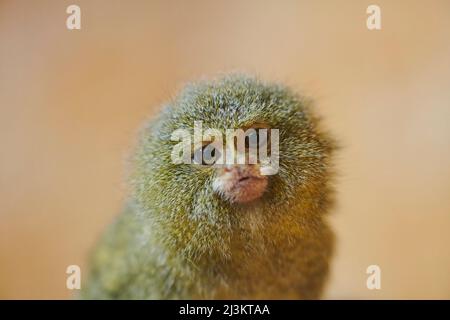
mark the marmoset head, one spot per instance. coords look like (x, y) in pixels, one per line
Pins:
(213, 184)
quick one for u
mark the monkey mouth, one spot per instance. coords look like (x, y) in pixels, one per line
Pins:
(244, 178)
(248, 180)
(240, 186)
(248, 188)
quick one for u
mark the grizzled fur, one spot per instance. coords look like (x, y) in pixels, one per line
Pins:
(178, 239)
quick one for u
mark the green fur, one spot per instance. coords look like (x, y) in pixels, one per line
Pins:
(178, 239)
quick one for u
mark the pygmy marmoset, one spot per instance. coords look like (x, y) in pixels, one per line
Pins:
(214, 231)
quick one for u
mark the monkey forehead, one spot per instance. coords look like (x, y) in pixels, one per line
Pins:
(234, 102)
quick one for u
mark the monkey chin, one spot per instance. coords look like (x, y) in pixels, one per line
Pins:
(242, 190)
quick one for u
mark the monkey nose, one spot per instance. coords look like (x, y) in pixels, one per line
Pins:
(238, 171)
(233, 168)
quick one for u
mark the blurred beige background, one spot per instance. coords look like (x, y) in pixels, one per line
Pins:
(71, 102)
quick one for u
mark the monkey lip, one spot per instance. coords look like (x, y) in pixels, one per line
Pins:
(247, 189)
(244, 179)
(247, 180)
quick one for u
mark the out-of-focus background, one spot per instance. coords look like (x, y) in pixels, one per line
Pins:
(71, 102)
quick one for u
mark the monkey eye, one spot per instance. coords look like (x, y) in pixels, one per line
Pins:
(264, 138)
(259, 138)
(208, 154)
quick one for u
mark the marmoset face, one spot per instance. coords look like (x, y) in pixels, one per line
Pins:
(239, 182)
(241, 161)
